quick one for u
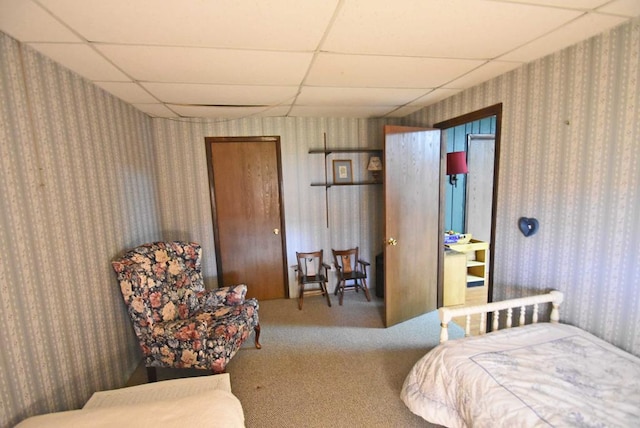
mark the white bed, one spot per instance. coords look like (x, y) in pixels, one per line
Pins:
(543, 374)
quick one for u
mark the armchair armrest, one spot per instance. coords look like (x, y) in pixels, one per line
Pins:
(363, 266)
(326, 269)
(223, 296)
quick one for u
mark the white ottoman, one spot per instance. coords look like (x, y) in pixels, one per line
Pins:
(204, 401)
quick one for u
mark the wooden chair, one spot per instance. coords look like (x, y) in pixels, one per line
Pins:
(312, 270)
(350, 268)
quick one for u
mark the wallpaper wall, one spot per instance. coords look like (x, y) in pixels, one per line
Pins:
(77, 185)
(570, 157)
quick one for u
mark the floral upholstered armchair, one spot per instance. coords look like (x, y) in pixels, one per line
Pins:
(178, 323)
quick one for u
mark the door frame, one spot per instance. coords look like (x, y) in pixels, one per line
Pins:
(494, 110)
(472, 140)
(214, 217)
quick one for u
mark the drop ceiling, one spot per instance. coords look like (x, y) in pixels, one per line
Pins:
(301, 58)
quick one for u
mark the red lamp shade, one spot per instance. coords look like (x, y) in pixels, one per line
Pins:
(457, 163)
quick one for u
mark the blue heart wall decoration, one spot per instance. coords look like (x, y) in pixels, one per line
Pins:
(528, 226)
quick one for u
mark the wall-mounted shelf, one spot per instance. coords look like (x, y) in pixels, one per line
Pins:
(326, 151)
(362, 183)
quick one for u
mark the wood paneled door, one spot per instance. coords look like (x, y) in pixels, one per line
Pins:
(245, 177)
(413, 221)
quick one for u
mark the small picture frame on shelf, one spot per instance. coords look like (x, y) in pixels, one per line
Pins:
(342, 172)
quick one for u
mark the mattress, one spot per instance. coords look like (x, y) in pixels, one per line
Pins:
(536, 375)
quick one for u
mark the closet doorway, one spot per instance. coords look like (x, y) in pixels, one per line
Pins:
(245, 178)
(494, 111)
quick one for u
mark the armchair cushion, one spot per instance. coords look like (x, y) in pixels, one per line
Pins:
(224, 296)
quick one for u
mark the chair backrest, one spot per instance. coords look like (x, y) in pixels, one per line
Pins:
(346, 260)
(310, 263)
(160, 281)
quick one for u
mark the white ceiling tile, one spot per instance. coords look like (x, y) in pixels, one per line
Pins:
(378, 58)
(202, 65)
(28, 22)
(127, 91)
(155, 110)
(403, 111)
(313, 95)
(481, 74)
(81, 59)
(192, 93)
(580, 29)
(630, 8)
(385, 71)
(273, 24)
(434, 96)
(567, 4)
(362, 112)
(435, 28)
(229, 112)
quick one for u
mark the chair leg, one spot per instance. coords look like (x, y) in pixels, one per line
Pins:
(366, 289)
(256, 329)
(300, 296)
(341, 286)
(152, 374)
(323, 285)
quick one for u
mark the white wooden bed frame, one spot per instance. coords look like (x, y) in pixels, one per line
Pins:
(447, 314)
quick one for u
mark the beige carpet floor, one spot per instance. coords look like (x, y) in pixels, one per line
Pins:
(328, 366)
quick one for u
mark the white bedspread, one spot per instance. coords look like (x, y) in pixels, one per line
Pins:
(538, 375)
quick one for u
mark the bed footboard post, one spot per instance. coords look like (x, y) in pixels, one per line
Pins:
(555, 306)
(445, 317)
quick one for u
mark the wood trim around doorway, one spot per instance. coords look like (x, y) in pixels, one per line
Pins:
(260, 139)
(494, 110)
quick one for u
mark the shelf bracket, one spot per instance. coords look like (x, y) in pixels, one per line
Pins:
(326, 189)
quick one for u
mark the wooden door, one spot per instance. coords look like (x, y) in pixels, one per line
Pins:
(413, 221)
(245, 177)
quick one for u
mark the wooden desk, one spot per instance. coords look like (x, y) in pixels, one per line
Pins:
(455, 278)
(476, 273)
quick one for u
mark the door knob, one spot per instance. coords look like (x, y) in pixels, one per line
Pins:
(276, 231)
(392, 241)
